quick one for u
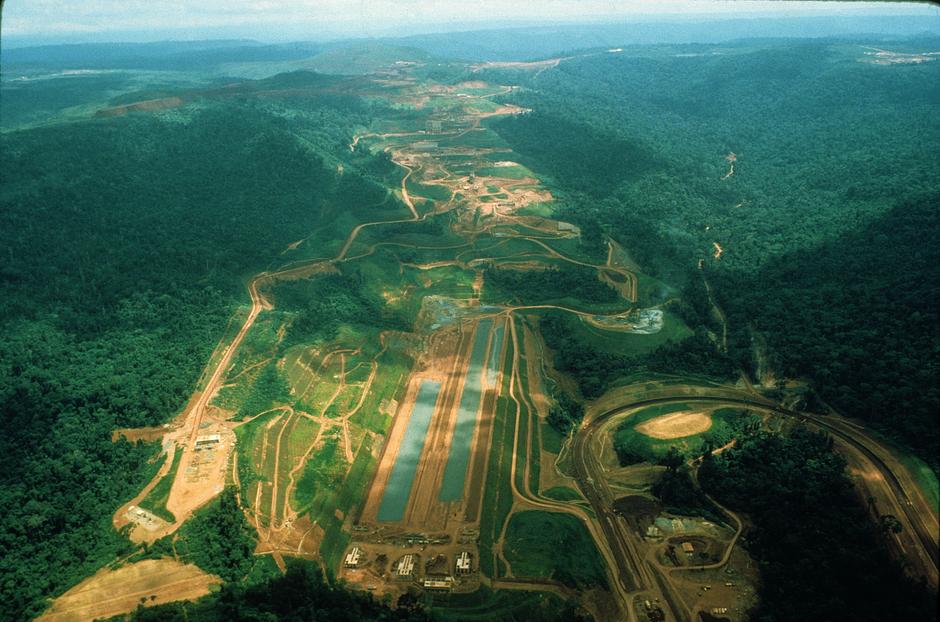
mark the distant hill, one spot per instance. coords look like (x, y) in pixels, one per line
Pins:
(534, 42)
(178, 55)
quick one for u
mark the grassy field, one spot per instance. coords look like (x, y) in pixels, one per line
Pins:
(629, 344)
(155, 501)
(507, 172)
(548, 545)
(572, 247)
(389, 384)
(551, 438)
(543, 210)
(248, 441)
(434, 192)
(487, 605)
(475, 139)
(633, 446)
(497, 499)
(322, 475)
(563, 493)
(530, 419)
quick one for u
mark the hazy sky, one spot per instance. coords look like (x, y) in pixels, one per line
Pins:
(312, 19)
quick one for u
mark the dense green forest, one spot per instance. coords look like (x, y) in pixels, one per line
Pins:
(535, 286)
(323, 304)
(821, 556)
(125, 242)
(218, 539)
(826, 146)
(859, 316)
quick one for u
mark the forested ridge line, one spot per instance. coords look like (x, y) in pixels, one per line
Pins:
(827, 148)
(125, 244)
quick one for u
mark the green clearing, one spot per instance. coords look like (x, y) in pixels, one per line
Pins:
(440, 251)
(651, 291)
(248, 441)
(155, 501)
(316, 399)
(322, 474)
(266, 387)
(505, 172)
(499, 156)
(358, 373)
(623, 343)
(260, 343)
(501, 247)
(488, 605)
(550, 545)
(435, 192)
(353, 490)
(552, 439)
(522, 457)
(474, 138)
(443, 281)
(299, 438)
(563, 493)
(497, 497)
(575, 248)
(330, 485)
(389, 384)
(531, 419)
(335, 540)
(542, 210)
(633, 446)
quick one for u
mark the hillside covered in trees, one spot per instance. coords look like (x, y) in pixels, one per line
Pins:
(823, 220)
(125, 241)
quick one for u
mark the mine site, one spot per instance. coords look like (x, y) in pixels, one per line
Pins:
(538, 323)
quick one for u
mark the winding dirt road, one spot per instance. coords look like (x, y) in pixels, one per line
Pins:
(638, 575)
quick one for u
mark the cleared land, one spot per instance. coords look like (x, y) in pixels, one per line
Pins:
(676, 425)
(110, 593)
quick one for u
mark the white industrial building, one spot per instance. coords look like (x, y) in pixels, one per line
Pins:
(353, 557)
(406, 566)
(463, 562)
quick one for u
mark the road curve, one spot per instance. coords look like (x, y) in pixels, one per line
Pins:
(588, 474)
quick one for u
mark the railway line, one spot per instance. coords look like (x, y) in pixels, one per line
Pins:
(638, 576)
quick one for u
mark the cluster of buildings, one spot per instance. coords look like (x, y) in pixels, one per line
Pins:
(405, 569)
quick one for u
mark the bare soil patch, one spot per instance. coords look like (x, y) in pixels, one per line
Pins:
(676, 425)
(132, 435)
(110, 593)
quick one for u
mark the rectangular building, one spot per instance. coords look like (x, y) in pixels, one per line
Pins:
(406, 566)
(463, 562)
(207, 440)
(353, 557)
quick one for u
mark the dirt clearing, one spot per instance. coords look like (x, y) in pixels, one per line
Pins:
(109, 593)
(676, 425)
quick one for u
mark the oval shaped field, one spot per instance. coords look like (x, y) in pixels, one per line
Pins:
(676, 425)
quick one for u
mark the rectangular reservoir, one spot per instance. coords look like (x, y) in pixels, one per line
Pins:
(492, 368)
(401, 479)
(459, 457)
